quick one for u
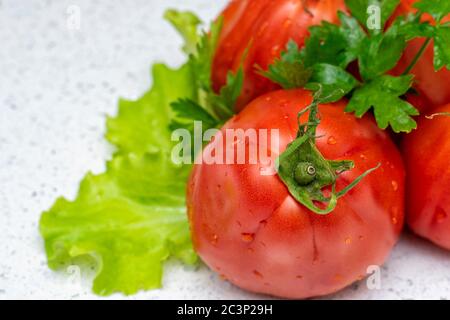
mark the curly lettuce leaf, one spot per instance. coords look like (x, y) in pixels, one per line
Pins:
(132, 218)
(129, 219)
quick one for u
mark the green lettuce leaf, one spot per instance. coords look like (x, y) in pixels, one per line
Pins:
(129, 219)
(132, 218)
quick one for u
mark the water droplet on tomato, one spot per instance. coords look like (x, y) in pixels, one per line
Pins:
(394, 185)
(332, 141)
(287, 23)
(348, 240)
(275, 50)
(258, 274)
(248, 237)
(268, 98)
(394, 220)
(361, 237)
(394, 215)
(363, 157)
(299, 277)
(284, 103)
(338, 277)
(440, 215)
(214, 240)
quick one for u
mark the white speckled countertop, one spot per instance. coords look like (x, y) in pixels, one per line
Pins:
(56, 86)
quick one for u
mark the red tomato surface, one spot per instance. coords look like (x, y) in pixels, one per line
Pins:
(249, 229)
(427, 156)
(263, 27)
(433, 87)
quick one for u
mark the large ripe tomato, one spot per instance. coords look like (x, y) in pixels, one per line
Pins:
(261, 29)
(248, 228)
(434, 87)
(427, 156)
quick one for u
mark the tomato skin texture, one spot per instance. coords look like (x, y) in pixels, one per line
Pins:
(433, 87)
(261, 29)
(250, 230)
(427, 157)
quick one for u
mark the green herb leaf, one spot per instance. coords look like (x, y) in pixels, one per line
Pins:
(334, 82)
(383, 94)
(442, 48)
(333, 44)
(289, 70)
(187, 111)
(438, 9)
(360, 10)
(412, 27)
(381, 52)
(229, 94)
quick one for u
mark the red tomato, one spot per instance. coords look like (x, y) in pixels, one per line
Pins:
(249, 229)
(262, 28)
(427, 157)
(434, 87)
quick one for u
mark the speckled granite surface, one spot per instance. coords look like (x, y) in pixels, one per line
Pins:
(56, 86)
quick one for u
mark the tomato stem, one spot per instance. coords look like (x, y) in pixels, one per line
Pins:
(306, 172)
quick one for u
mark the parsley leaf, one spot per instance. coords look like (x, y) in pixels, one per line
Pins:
(381, 52)
(438, 9)
(361, 10)
(334, 82)
(442, 48)
(289, 71)
(333, 44)
(383, 94)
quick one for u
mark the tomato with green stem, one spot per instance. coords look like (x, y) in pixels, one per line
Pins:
(265, 235)
(427, 158)
(255, 32)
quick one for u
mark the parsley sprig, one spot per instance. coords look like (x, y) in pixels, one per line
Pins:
(330, 49)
